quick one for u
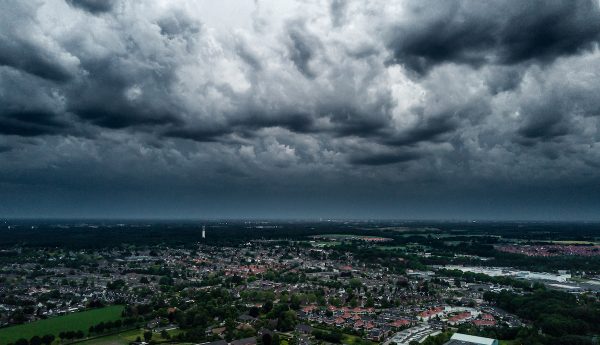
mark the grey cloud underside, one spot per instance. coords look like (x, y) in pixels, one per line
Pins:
(504, 32)
(31, 123)
(384, 158)
(463, 32)
(30, 59)
(369, 94)
(93, 6)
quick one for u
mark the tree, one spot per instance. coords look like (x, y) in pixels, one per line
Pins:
(108, 325)
(19, 316)
(116, 285)
(35, 340)
(254, 312)
(295, 301)
(164, 334)
(332, 337)
(147, 336)
(457, 282)
(287, 321)
(48, 339)
(267, 339)
(164, 280)
(99, 328)
(267, 307)
(229, 329)
(355, 283)
(22, 341)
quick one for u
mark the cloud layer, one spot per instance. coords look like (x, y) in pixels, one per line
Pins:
(282, 108)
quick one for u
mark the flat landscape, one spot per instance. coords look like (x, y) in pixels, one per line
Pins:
(308, 283)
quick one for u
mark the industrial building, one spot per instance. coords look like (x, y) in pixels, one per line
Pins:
(465, 339)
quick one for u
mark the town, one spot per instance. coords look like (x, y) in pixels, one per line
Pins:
(288, 290)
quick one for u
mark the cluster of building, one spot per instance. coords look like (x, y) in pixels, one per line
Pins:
(551, 250)
(363, 298)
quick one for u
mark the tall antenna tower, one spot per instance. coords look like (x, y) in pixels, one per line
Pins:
(203, 231)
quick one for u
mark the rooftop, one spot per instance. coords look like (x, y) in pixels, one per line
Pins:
(465, 339)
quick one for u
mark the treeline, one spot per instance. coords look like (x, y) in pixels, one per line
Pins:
(97, 329)
(107, 326)
(109, 234)
(524, 335)
(35, 340)
(562, 318)
(172, 234)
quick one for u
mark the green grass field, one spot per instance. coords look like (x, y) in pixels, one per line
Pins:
(124, 338)
(70, 322)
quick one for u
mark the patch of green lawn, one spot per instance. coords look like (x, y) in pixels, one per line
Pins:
(126, 337)
(80, 321)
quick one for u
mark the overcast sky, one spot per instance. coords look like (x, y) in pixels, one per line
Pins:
(361, 109)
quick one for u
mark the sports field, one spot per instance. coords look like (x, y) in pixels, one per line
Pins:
(70, 322)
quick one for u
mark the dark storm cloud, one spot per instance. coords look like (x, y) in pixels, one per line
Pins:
(362, 126)
(31, 59)
(132, 89)
(5, 148)
(31, 123)
(122, 117)
(302, 48)
(196, 134)
(112, 98)
(505, 79)
(383, 158)
(105, 103)
(503, 32)
(93, 6)
(429, 129)
(544, 126)
(23, 45)
(161, 100)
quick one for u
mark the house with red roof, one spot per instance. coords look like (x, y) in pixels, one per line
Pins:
(459, 318)
(399, 323)
(484, 323)
(430, 313)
